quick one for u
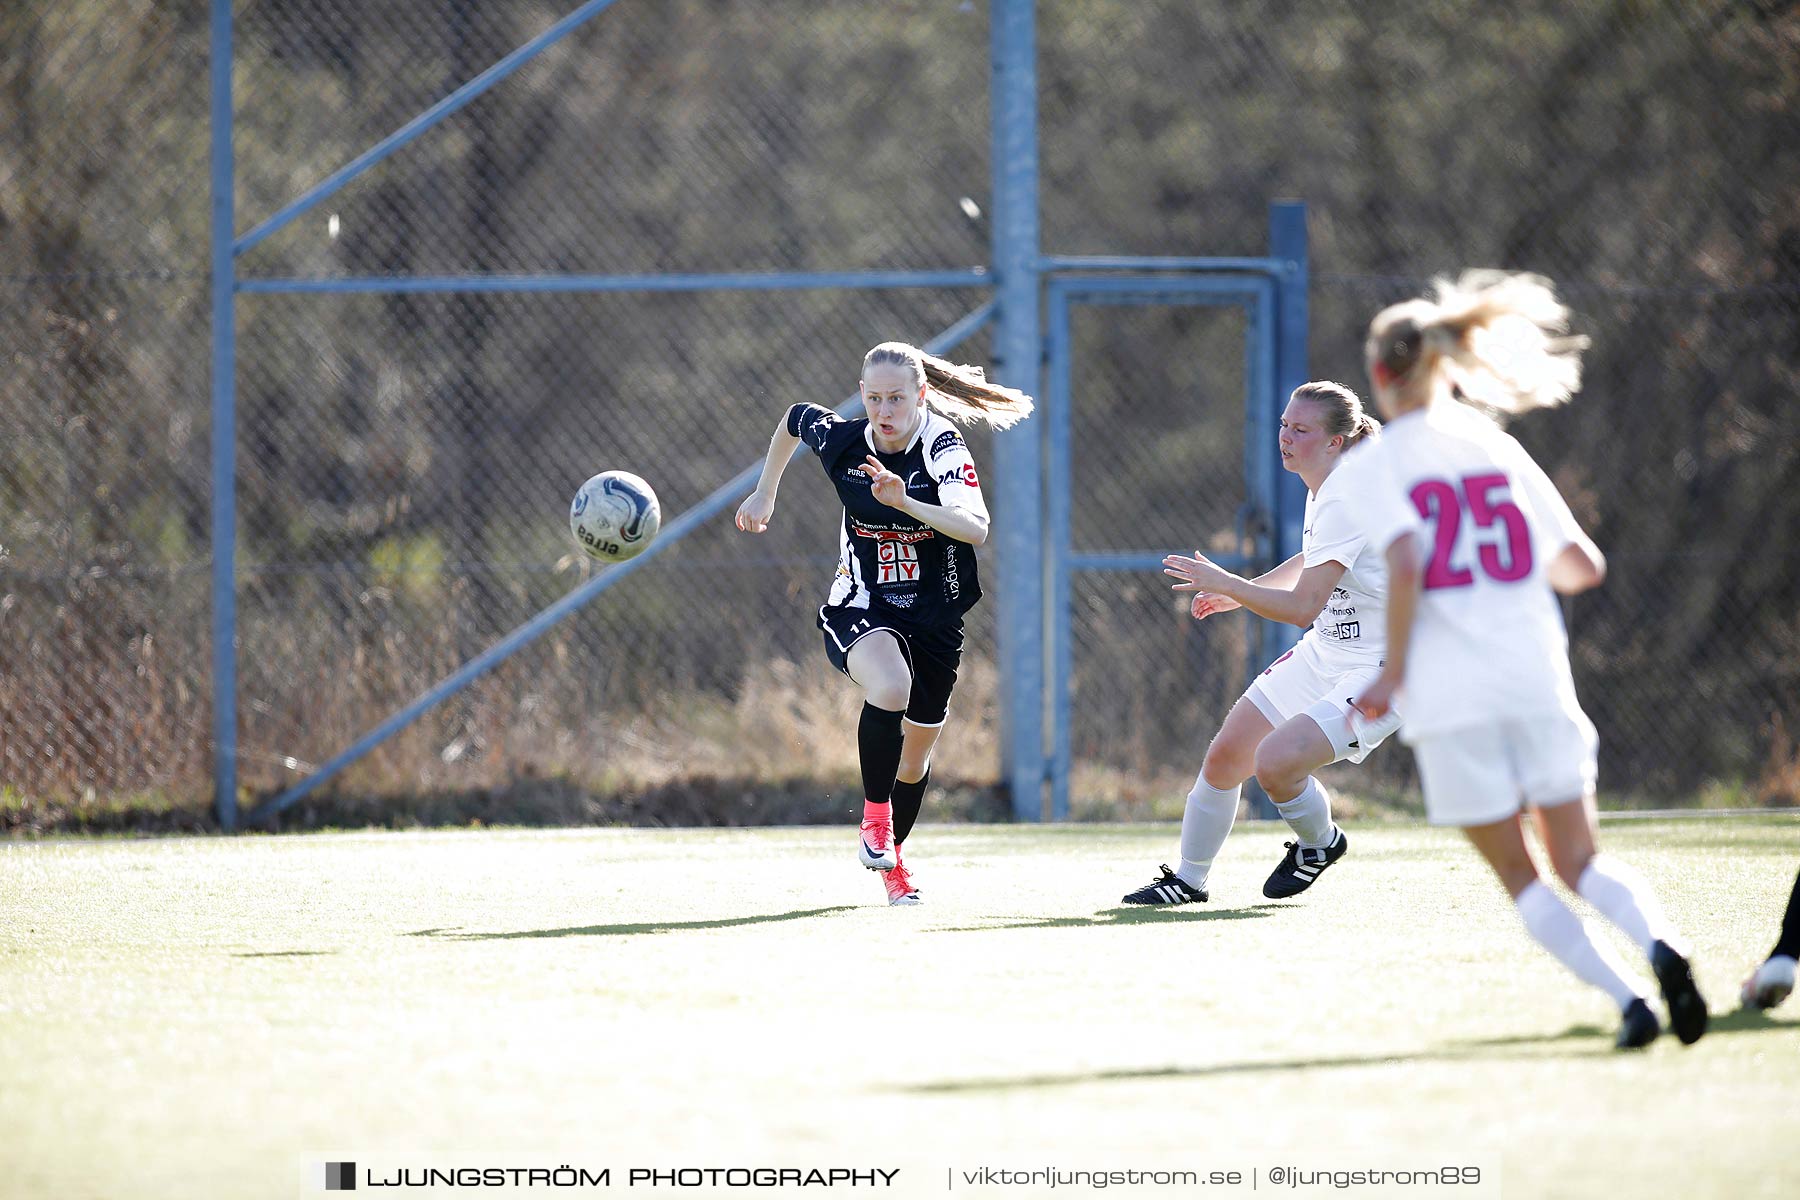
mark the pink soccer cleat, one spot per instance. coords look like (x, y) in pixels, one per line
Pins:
(876, 850)
(900, 887)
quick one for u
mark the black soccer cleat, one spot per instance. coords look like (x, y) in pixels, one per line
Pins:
(1687, 1008)
(1301, 866)
(1639, 1028)
(1170, 889)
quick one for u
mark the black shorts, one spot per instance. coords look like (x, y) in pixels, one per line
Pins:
(932, 654)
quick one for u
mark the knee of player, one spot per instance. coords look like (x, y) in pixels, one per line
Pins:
(1274, 765)
(1226, 765)
(891, 694)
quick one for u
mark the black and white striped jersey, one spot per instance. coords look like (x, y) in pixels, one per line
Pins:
(887, 560)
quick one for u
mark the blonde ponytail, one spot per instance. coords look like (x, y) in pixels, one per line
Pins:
(962, 393)
(1500, 338)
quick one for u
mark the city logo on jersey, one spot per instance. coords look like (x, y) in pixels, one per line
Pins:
(896, 552)
(896, 562)
(944, 441)
(964, 474)
(821, 428)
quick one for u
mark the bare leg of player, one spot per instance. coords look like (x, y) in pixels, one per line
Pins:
(1556, 927)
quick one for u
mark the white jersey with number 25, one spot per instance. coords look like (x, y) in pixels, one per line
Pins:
(1488, 642)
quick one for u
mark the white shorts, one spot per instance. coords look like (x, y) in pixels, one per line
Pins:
(1482, 774)
(1303, 682)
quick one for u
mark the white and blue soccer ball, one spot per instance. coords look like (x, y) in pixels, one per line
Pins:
(614, 516)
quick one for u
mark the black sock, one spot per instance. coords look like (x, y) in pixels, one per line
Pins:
(1790, 926)
(908, 799)
(878, 741)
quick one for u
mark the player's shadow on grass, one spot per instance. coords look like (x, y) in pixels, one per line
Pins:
(626, 930)
(1594, 1042)
(1108, 917)
(281, 953)
(1718, 1024)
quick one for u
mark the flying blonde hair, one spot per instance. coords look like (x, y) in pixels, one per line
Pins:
(962, 393)
(1500, 338)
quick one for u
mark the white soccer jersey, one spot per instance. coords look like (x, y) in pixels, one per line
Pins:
(1488, 641)
(1353, 624)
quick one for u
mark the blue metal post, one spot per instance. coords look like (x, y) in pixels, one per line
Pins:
(1018, 454)
(224, 430)
(1287, 245)
(741, 281)
(1058, 403)
(1267, 480)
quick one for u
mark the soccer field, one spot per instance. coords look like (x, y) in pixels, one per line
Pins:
(205, 1017)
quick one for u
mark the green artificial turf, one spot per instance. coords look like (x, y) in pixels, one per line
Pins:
(202, 1017)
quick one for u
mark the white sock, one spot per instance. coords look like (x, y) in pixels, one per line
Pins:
(1623, 897)
(1205, 824)
(1571, 940)
(1308, 815)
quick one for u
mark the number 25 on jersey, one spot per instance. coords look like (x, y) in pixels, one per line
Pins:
(1502, 539)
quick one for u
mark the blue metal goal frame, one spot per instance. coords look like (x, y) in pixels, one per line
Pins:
(1013, 284)
(1272, 292)
(1256, 296)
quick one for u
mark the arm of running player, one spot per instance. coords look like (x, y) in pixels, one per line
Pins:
(1208, 604)
(1572, 562)
(1298, 604)
(1577, 567)
(1402, 605)
(754, 513)
(952, 522)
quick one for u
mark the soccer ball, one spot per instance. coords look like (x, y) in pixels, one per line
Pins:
(614, 516)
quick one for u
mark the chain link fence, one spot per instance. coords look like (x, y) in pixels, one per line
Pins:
(1644, 156)
(405, 460)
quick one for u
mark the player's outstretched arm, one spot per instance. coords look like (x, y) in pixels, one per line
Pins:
(1284, 576)
(1296, 605)
(759, 506)
(1207, 604)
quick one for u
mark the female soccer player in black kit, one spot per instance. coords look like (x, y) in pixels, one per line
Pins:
(913, 515)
